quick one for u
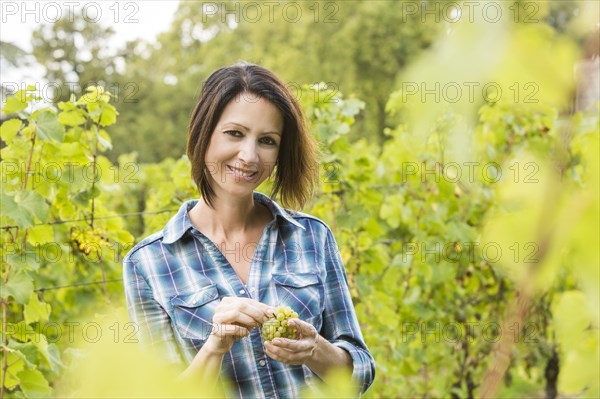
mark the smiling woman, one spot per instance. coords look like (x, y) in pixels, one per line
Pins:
(270, 110)
(201, 288)
(239, 154)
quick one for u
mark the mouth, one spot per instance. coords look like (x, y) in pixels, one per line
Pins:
(241, 172)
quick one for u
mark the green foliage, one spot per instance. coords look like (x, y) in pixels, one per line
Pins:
(113, 367)
(447, 215)
(56, 189)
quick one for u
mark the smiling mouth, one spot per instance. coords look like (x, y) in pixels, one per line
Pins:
(241, 172)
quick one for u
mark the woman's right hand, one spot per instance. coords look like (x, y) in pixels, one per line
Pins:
(233, 319)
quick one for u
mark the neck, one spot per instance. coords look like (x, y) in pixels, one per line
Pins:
(231, 217)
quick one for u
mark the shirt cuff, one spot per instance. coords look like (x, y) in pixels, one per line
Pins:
(363, 366)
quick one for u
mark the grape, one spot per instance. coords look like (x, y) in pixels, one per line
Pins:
(277, 326)
(89, 240)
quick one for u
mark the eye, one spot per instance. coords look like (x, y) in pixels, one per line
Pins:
(268, 141)
(233, 133)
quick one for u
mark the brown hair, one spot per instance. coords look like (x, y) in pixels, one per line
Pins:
(297, 172)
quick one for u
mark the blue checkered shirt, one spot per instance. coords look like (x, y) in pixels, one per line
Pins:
(175, 278)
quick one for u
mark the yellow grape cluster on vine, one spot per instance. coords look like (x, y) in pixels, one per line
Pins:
(89, 240)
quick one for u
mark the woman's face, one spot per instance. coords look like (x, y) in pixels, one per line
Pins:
(244, 146)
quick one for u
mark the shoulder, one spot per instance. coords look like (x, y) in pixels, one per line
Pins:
(148, 245)
(312, 224)
(153, 246)
(296, 220)
(302, 216)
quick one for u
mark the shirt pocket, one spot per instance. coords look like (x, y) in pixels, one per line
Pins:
(193, 313)
(303, 292)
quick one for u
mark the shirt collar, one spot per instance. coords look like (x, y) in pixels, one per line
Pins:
(181, 223)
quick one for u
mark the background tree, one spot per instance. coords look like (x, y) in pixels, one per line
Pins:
(75, 54)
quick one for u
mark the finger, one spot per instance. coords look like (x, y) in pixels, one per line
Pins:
(305, 329)
(256, 310)
(280, 354)
(232, 307)
(229, 330)
(289, 344)
(252, 302)
(233, 316)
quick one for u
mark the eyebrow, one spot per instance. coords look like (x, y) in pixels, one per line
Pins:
(246, 128)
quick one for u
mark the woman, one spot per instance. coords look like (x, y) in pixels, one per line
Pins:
(199, 288)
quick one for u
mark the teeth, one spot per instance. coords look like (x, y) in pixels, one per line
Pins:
(245, 174)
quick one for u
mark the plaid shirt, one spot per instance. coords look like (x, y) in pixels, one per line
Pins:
(175, 278)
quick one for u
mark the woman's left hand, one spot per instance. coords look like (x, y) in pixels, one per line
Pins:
(294, 351)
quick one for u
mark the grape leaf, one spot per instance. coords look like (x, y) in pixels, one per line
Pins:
(19, 286)
(48, 125)
(33, 384)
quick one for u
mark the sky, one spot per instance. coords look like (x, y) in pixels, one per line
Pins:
(130, 20)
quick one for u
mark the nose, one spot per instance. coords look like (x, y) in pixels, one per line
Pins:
(248, 154)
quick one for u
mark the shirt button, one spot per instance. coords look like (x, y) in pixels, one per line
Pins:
(262, 363)
(242, 292)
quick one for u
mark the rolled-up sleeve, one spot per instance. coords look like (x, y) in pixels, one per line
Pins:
(340, 324)
(151, 321)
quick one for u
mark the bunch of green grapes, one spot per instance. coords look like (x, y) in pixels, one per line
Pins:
(277, 326)
(90, 240)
